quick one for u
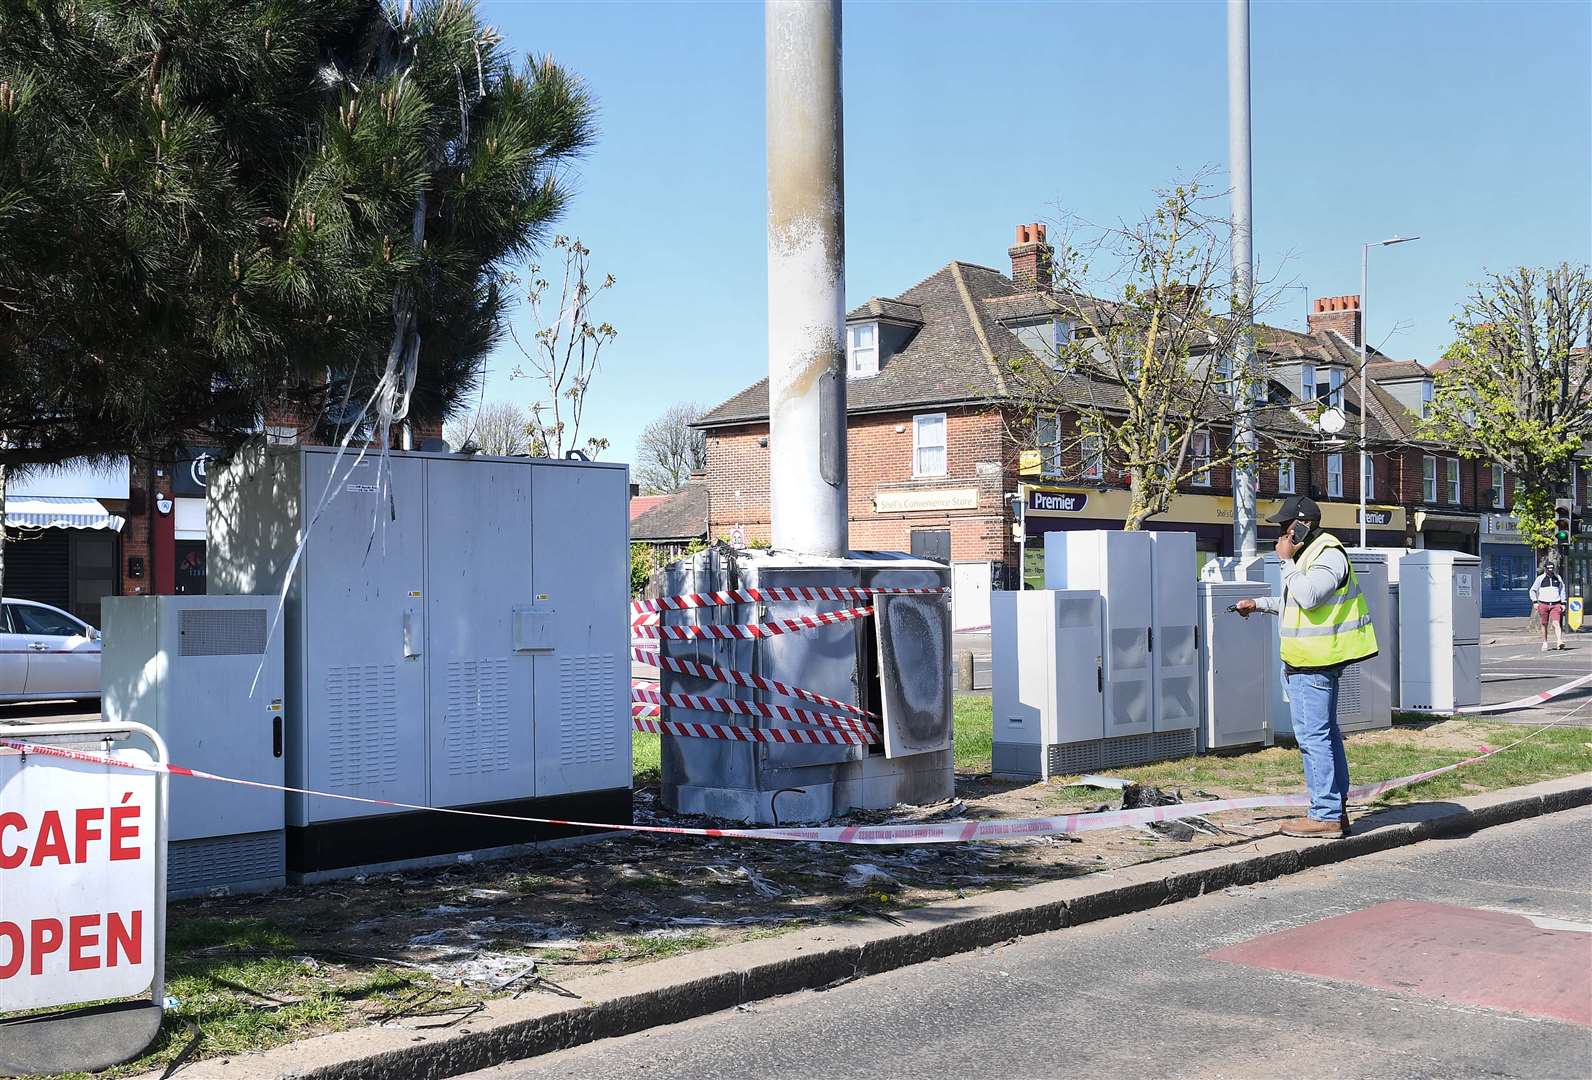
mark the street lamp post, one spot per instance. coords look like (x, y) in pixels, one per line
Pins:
(1365, 393)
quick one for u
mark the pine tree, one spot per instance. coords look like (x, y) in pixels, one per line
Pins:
(211, 206)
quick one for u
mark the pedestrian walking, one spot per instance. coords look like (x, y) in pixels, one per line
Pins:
(1548, 595)
(1325, 627)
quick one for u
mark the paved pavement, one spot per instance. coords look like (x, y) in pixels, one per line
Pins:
(1513, 666)
(1471, 979)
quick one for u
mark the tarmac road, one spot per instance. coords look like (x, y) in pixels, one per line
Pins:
(1460, 985)
(1513, 666)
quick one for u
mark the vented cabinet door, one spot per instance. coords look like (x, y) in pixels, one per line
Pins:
(479, 686)
(581, 572)
(362, 730)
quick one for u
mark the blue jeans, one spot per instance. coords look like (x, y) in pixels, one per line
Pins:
(1313, 705)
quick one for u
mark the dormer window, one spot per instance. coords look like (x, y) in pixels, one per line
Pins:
(1045, 340)
(1426, 399)
(862, 350)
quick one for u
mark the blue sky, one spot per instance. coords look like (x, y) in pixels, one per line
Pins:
(1469, 124)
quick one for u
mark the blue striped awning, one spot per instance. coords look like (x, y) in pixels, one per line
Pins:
(54, 512)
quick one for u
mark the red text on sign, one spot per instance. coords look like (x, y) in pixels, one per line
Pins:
(91, 941)
(64, 837)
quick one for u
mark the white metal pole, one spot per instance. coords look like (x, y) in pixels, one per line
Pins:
(1238, 157)
(1365, 391)
(806, 277)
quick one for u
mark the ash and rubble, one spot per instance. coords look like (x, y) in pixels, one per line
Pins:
(605, 903)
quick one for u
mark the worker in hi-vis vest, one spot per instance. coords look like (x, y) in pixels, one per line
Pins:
(1325, 627)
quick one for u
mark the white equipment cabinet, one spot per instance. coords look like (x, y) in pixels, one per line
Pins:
(187, 666)
(1149, 611)
(1175, 635)
(455, 636)
(1439, 631)
(1048, 682)
(1237, 667)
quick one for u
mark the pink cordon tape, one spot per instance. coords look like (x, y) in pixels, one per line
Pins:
(736, 707)
(933, 832)
(764, 596)
(792, 625)
(737, 733)
(1526, 702)
(714, 673)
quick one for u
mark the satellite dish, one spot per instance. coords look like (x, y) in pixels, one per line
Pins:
(1331, 421)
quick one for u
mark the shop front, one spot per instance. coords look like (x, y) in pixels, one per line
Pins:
(1508, 566)
(62, 532)
(1048, 508)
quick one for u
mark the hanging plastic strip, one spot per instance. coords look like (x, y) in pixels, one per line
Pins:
(907, 833)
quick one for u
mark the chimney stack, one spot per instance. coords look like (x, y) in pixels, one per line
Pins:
(1340, 313)
(1031, 258)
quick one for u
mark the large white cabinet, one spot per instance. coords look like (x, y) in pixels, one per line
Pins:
(1237, 667)
(455, 635)
(1048, 685)
(1149, 617)
(1440, 630)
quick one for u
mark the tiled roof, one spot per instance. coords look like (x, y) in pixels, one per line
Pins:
(680, 516)
(1396, 369)
(883, 308)
(968, 313)
(640, 504)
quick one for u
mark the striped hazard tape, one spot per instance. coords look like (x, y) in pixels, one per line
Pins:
(736, 707)
(1526, 702)
(687, 601)
(793, 625)
(816, 736)
(935, 832)
(714, 673)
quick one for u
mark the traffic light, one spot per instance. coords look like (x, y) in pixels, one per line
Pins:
(1562, 521)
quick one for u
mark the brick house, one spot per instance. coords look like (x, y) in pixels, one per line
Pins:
(934, 468)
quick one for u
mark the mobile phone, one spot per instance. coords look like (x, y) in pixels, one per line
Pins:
(1298, 531)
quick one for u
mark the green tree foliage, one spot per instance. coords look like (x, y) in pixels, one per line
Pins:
(1140, 382)
(643, 561)
(1517, 388)
(207, 206)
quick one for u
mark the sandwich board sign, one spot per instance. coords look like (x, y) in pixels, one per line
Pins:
(82, 907)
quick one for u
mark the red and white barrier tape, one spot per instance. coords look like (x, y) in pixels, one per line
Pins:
(640, 708)
(935, 832)
(1526, 702)
(751, 630)
(816, 736)
(763, 596)
(714, 673)
(736, 707)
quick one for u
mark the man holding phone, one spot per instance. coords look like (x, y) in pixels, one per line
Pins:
(1326, 626)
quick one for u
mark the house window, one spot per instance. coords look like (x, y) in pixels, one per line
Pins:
(1429, 479)
(1453, 481)
(1426, 399)
(862, 350)
(1334, 389)
(1285, 477)
(1334, 476)
(1049, 432)
(928, 445)
(1498, 487)
(1368, 475)
(1199, 447)
(1094, 458)
(1224, 370)
(1307, 382)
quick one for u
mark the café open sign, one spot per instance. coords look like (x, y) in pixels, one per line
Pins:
(77, 881)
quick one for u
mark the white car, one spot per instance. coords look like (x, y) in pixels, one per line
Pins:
(47, 654)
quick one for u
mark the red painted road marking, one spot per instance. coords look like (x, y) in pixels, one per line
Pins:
(1490, 959)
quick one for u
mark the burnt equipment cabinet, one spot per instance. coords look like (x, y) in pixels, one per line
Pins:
(896, 664)
(454, 634)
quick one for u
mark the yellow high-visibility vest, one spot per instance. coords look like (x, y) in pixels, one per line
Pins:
(1336, 631)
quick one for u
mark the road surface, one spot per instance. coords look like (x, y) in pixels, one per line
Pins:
(1453, 958)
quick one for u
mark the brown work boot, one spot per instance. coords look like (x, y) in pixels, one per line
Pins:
(1307, 826)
